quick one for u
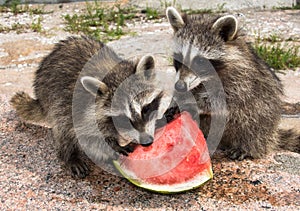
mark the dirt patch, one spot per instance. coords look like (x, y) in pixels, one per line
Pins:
(14, 81)
(23, 52)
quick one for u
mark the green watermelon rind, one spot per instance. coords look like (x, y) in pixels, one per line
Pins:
(194, 183)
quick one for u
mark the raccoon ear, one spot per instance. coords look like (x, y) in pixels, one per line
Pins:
(174, 18)
(93, 85)
(226, 26)
(146, 66)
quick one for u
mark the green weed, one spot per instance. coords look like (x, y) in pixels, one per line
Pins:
(2, 28)
(13, 5)
(152, 13)
(272, 38)
(36, 26)
(103, 23)
(16, 7)
(17, 27)
(37, 10)
(276, 55)
(294, 7)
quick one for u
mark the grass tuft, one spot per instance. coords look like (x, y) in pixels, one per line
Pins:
(36, 26)
(102, 23)
(294, 7)
(152, 13)
(16, 7)
(275, 54)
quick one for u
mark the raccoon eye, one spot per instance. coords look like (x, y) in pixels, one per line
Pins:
(146, 111)
(177, 60)
(123, 122)
(151, 107)
(201, 65)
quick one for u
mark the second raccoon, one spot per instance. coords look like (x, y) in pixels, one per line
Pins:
(252, 90)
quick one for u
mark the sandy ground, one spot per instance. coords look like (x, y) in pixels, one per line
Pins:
(32, 178)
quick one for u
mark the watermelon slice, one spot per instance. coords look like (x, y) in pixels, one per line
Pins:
(177, 161)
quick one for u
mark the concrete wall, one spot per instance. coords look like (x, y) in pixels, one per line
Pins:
(192, 4)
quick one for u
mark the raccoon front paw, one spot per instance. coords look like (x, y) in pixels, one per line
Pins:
(127, 149)
(238, 154)
(170, 114)
(115, 149)
(130, 147)
(78, 168)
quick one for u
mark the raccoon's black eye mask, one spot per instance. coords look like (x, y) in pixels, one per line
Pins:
(197, 62)
(122, 121)
(177, 61)
(151, 107)
(201, 65)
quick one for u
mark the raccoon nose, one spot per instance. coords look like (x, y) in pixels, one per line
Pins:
(181, 86)
(146, 140)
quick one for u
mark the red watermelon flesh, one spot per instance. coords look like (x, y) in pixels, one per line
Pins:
(178, 155)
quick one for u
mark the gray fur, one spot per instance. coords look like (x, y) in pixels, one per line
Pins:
(74, 73)
(252, 89)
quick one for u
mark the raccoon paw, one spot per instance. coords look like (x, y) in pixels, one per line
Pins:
(127, 149)
(115, 149)
(238, 154)
(130, 147)
(170, 114)
(78, 168)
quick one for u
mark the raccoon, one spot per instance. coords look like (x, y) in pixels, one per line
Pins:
(75, 87)
(252, 90)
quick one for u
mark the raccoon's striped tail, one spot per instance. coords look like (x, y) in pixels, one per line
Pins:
(289, 140)
(27, 108)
